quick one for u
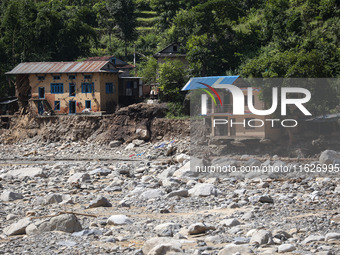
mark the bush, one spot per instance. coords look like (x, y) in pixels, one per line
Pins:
(175, 110)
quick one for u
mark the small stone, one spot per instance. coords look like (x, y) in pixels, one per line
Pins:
(88, 232)
(138, 142)
(229, 223)
(248, 216)
(199, 228)
(53, 199)
(181, 157)
(100, 171)
(130, 146)
(115, 143)
(266, 199)
(100, 201)
(78, 178)
(30, 213)
(10, 216)
(233, 249)
(179, 193)
(241, 240)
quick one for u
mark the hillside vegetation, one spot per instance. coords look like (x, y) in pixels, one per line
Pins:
(274, 38)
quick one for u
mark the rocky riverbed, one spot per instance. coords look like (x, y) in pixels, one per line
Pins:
(142, 198)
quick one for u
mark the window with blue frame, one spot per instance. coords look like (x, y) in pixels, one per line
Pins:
(110, 89)
(57, 88)
(72, 89)
(87, 76)
(56, 77)
(57, 105)
(41, 78)
(71, 77)
(88, 104)
(87, 87)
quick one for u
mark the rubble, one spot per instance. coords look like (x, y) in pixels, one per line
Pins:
(93, 198)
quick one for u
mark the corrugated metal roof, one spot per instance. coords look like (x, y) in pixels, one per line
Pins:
(60, 67)
(9, 101)
(194, 83)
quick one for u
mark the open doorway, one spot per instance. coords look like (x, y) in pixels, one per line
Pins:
(41, 93)
(72, 107)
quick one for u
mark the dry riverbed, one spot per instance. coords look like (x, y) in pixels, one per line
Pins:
(142, 198)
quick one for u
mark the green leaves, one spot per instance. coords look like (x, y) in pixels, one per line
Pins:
(172, 78)
(124, 19)
(149, 71)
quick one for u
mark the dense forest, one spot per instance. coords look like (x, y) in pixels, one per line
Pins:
(252, 38)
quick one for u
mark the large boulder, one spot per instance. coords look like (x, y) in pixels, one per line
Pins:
(167, 229)
(7, 196)
(161, 245)
(283, 248)
(185, 171)
(65, 222)
(119, 220)
(181, 157)
(332, 236)
(328, 157)
(199, 228)
(312, 239)
(143, 133)
(27, 172)
(232, 249)
(261, 237)
(152, 193)
(203, 190)
(17, 228)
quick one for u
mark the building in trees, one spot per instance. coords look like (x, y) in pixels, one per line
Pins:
(173, 51)
(95, 85)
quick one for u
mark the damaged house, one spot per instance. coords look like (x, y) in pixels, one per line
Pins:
(95, 85)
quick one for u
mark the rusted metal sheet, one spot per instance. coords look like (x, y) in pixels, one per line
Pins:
(61, 67)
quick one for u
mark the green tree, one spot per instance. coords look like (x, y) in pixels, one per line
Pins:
(172, 78)
(149, 71)
(124, 17)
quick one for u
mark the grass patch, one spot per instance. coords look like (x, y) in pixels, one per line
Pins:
(144, 28)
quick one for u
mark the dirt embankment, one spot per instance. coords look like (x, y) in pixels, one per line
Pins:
(139, 121)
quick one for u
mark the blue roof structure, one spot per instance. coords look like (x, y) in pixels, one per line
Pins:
(194, 83)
